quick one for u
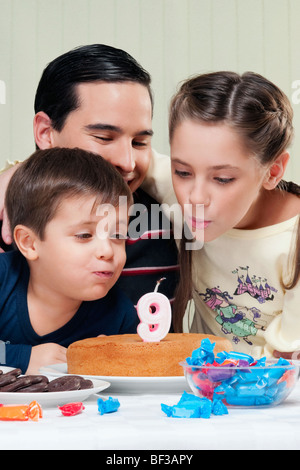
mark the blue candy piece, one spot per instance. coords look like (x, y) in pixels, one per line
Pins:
(249, 401)
(218, 408)
(189, 406)
(167, 409)
(249, 390)
(277, 392)
(235, 356)
(204, 354)
(261, 362)
(108, 406)
(202, 405)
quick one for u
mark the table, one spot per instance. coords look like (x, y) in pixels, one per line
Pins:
(139, 424)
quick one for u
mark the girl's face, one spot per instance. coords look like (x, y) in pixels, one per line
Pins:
(211, 167)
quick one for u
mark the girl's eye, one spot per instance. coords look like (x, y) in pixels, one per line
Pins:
(224, 180)
(182, 174)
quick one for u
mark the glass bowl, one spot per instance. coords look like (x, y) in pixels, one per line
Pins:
(244, 386)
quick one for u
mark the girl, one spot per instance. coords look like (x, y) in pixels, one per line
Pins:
(229, 136)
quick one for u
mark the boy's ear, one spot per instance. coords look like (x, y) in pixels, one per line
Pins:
(42, 129)
(25, 240)
(276, 171)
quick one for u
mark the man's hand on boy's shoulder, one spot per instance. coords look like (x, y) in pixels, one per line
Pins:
(5, 177)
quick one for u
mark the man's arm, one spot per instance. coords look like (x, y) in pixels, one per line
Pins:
(5, 176)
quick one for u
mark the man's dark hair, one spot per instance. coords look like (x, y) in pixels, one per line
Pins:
(56, 93)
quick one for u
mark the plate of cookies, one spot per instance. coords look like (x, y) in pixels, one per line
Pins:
(131, 385)
(16, 388)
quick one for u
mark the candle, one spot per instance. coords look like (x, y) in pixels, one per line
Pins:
(154, 311)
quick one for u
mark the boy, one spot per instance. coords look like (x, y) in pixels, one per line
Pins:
(58, 288)
(98, 98)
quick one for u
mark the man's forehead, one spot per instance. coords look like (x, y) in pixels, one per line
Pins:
(108, 104)
(112, 89)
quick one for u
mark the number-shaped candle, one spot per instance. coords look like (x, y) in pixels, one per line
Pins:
(154, 311)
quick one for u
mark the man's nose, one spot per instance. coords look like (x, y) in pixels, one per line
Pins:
(126, 157)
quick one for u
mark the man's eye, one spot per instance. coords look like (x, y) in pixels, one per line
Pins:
(136, 143)
(103, 139)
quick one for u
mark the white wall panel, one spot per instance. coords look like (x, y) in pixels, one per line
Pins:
(172, 39)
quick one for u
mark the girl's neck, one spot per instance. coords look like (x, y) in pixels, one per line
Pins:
(48, 310)
(272, 207)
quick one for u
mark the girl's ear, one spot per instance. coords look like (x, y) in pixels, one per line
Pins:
(25, 240)
(42, 129)
(276, 171)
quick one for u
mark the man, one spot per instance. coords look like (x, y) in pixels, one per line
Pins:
(98, 98)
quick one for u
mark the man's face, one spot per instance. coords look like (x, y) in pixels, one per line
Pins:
(115, 121)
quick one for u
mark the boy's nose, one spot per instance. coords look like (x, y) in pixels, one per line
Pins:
(104, 249)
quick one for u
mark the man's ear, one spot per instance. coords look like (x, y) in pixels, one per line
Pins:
(276, 171)
(25, 239)
(42, 130)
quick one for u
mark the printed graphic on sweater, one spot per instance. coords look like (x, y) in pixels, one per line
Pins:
(240, 322)
(256, 287)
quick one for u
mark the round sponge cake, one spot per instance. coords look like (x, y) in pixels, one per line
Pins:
(129, 356)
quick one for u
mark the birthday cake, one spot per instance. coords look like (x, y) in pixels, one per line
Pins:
(129, 356)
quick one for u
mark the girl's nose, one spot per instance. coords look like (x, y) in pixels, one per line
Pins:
(199, 194)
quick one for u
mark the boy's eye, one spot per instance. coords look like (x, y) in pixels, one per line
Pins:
(119, 236)
(83, 236)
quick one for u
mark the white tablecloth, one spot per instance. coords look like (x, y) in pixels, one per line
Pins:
(140, 424)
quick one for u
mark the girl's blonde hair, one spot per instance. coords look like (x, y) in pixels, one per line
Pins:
(254, 108)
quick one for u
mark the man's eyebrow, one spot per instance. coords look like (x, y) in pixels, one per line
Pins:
(110, 127)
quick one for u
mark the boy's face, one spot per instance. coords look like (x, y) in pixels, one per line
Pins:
(115, 121)
(82, 253)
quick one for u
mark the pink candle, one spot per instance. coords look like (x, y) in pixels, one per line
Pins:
(154, 311)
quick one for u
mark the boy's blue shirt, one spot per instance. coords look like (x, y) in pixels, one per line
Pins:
(113, 314)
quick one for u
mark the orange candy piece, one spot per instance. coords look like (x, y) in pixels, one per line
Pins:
(33, 411)
(288, 377)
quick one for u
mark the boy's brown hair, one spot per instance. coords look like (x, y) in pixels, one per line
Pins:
(40, 184)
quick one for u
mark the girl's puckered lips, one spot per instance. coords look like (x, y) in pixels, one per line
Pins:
(199, 224)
